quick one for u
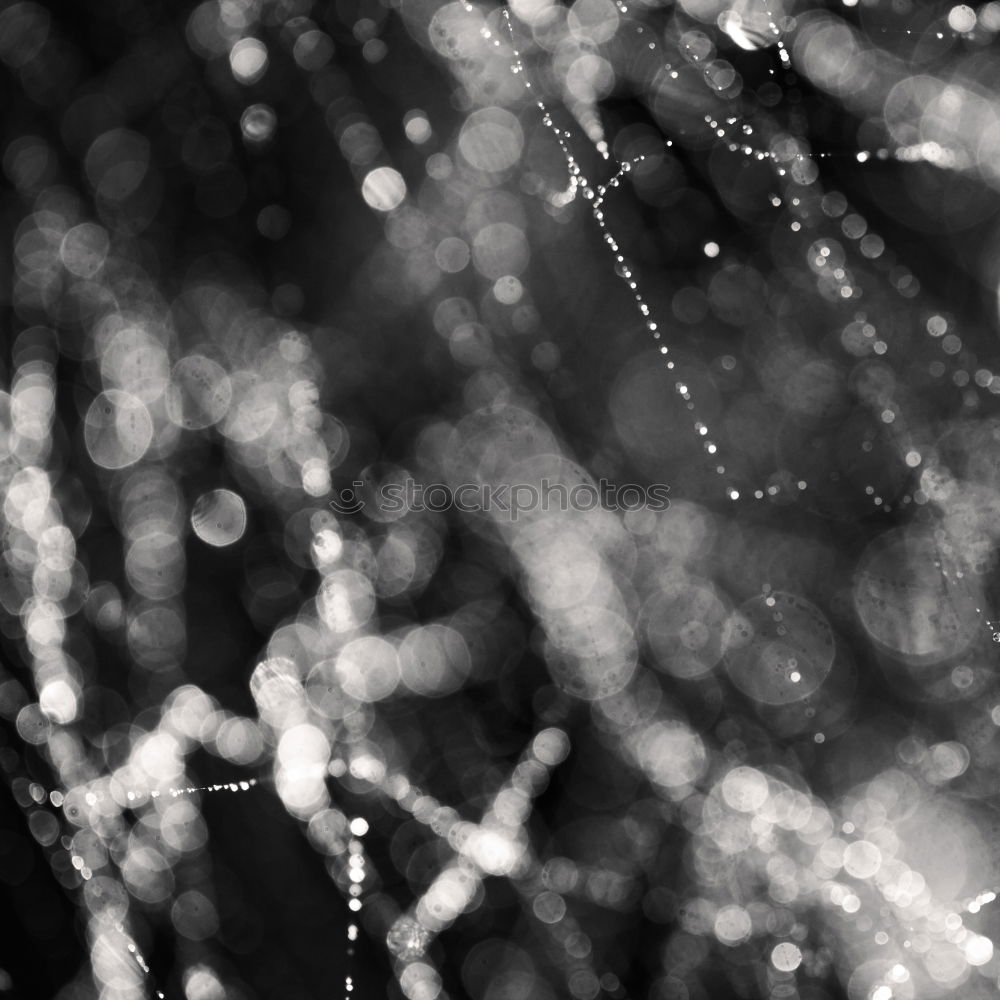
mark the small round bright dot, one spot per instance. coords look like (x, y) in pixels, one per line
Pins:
(359, 826)
(913, 459)
(711, 249)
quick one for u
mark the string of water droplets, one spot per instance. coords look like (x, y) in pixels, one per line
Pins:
(595, 198)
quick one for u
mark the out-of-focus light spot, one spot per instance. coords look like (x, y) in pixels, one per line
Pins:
(670, 753)
(456, 31)
(407, 939)
(711, 249)
(417, 127)
(116, 164)
(495, 851)
(745, 789)
(491, 140)
(767, 643)
(201, 983)
(32, 725)
(359, 142)
(439, 166)
(359, 826)
(978, 949)
(589, 78)
(913, 459)
(258, 123)
(58, 700)
(593, 21)
(345, 600)
(84, 249)
(508, 290)
(383, 189)
(158, 755)
(374, 50)
(28, 162)
(239, 740)
(24, 30)
(962, 18)
(326, 547)
(147, 874)
(118, 429)
(862, 859)
(434, 660)
(546, 356)
(685, 629)
(199, 394)
(368, 668)
(303, 754)
(549, 907)
(136, 361)
(937, 326)
(902, 600)
(452, 254)
(248, 60)
(500, 250)
(316, 477)
(219, 517)
(209, 33)
(313, 49)
(947, 761)
(194, 915)
(746, 27)
(273, 222)
(989, 16)
(786, 956)
(550, 746)
(732, 925)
